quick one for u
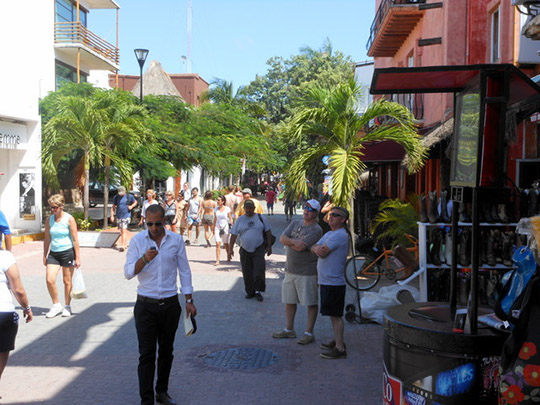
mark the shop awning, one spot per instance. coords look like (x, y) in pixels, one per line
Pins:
(383, 151)
(448, 79)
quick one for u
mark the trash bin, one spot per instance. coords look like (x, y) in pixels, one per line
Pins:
(426, 363)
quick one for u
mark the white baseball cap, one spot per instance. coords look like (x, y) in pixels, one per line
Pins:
(315, 205)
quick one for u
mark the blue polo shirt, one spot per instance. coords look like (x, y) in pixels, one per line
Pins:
(4, 227)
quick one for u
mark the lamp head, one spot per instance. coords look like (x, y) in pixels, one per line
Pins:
(141, 55)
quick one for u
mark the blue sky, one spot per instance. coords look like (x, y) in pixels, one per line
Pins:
(233, 39)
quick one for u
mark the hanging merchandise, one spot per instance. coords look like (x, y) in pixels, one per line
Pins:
(514, 284)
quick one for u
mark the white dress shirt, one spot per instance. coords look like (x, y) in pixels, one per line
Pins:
(158, 279)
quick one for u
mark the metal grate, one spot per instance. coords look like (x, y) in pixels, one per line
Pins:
(242, 358)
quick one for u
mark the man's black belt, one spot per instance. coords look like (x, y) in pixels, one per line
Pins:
(159, 301)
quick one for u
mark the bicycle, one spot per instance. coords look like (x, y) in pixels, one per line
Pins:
(363, 271)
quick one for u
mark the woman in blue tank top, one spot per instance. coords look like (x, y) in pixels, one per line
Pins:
(60, 249)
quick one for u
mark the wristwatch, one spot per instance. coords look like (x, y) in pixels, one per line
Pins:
(189, 301)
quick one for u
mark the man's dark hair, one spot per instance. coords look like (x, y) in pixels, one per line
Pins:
(194, 188)
(154, 209)
(343, 211)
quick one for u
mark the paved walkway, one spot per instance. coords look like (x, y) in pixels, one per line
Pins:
(91, 358)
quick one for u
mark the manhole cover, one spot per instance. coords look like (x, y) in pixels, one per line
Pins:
(242, 358)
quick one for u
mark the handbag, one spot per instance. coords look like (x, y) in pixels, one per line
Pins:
(273, 238)
(78, 290)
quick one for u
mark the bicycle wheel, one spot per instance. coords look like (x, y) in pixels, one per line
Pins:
(358, 275)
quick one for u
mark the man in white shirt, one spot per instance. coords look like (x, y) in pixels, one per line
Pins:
(157, 257)
(249, 229)
(332, 250)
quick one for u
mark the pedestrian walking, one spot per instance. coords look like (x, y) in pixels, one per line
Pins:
(232, 201)
(249, 229)
(182, 207)
(194, 214)
(208, 208)
(60, 250)
(10, 283)
(247, 194)
(122, 204)
(150, 200)
(270, 200)
(222, 219)
(5, 232)
(300, 281)
(331, 251)
(170, 207)
(158, 257)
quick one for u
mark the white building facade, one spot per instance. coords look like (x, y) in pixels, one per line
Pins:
(45, 42)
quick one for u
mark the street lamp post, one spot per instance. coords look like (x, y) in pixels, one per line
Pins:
(141, 55)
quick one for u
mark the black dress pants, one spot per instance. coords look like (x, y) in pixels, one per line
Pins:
(156, 324)
(253, 269)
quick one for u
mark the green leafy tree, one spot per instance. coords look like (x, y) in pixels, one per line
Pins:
(395, 219)
(280, 90)
(330, 117)
(100, 127)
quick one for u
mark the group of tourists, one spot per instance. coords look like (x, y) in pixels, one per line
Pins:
(314, 270)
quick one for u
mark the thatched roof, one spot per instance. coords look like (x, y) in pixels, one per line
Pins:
(435, 136)
(157, 82)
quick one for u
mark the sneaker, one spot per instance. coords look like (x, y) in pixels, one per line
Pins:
(188, 242)
(306, 339)
(283, 334)
(259, 297)
(334, 354)
(120, 249)
(196, 242)
(55, 310)
(66, 311)
(329, 345)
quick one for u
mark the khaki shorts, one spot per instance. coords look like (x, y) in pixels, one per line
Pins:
(299, 289)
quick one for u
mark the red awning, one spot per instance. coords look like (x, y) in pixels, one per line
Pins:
(383, 151)
(448, 79)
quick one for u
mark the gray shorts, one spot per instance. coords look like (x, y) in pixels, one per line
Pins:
(122, 223)
(299, 289)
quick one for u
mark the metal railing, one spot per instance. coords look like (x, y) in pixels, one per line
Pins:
(76, 33)
(381, 13)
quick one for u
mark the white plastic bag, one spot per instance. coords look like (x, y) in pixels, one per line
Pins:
(79, 289)
(375, 304)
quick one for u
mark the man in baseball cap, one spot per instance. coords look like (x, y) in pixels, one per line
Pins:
(300, 282)
(247, 195)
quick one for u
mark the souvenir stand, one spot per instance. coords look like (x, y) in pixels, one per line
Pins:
(432, 355)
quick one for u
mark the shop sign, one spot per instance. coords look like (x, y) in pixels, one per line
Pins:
(13, 136)
(456, 381)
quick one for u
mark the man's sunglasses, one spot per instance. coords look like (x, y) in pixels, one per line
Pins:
(154, 223)
(334, 214)
(307, 207)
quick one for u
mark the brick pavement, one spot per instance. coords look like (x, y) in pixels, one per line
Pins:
(91, 358)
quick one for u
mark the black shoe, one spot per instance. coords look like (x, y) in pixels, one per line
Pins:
(334, 354)
(165, 399)
(259, 297)
(250, 296)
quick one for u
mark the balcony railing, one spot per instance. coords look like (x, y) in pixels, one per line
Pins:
(76, 33)
(381, 14)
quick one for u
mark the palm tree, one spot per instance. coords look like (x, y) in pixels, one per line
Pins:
(105, 126)
(329, 116)
(123, 134)
(76, 126)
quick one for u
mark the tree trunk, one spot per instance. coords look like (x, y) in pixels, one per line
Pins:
(86, 193)
(106, 192)
(351, 225)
